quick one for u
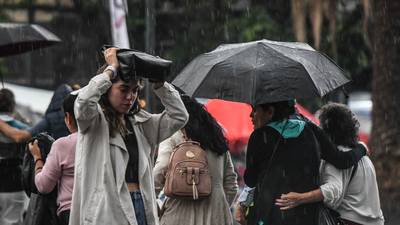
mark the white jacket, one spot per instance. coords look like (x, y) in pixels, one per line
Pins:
(355, 199)
(100, 194)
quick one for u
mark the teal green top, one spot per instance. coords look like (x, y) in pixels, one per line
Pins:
(292, 129)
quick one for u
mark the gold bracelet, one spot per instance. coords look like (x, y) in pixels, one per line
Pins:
(38, 159)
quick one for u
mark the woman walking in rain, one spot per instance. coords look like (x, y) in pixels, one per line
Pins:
(283, 156)
(114, 156)
(214, 209)
(353, 192)
(58, 171)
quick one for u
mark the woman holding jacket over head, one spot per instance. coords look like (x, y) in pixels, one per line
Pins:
(215, 209)
(115, 148)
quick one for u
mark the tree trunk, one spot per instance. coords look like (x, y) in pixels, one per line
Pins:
(385, 142)
(316, 21)
(299, 20)
(331, 9)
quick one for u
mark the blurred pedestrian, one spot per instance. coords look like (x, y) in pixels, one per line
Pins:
(283, 156)
(58, 171)
(116, 142)
(214, 209)
(52, 121)
(12, 196)
(353, 192)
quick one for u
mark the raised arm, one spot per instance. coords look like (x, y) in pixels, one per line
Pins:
(329, 152)
(161, 126)
(86, 104)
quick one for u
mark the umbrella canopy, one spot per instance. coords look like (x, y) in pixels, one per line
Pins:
(260, 72)
(16, 38)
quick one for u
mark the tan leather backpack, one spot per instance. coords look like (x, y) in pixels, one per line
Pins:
(187, 176)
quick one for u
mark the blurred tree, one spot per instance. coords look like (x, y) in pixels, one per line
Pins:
(339, 29)
(385, 141)
(185, 29)
(3, 67)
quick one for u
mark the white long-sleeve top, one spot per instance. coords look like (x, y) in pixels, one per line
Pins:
(356, 200)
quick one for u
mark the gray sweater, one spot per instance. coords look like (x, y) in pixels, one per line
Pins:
(358, 200)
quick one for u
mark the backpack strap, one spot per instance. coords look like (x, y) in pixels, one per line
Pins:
(185, 137)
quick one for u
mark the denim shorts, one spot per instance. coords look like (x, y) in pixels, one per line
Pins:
(138, 205)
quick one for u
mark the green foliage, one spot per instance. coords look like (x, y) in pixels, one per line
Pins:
(355, 55)
(200, 30)
(188, 28)
(257, 24)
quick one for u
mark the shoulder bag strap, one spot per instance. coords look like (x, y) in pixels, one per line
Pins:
(260, 182)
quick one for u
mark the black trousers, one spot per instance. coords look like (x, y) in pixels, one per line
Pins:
(63, 218)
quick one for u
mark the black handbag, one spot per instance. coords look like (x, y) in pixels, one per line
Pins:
(28, 164)
(327, 216)
(133, 63)
(42, 208)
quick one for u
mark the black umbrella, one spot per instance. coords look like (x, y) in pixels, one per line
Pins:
(16, 38)
(260, 72)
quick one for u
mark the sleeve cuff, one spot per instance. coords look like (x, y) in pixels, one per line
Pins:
(164, 89)
(102, 82)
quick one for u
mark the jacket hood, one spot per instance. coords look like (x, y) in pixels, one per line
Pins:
(58, 97)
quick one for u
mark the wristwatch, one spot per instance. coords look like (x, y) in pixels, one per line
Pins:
(113, 70)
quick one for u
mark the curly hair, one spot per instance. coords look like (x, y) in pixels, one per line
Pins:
(7, 100)
(340, 123)
(202, 127)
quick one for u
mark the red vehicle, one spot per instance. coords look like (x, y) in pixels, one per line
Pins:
(235, 119)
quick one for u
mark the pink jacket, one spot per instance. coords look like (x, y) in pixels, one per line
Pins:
(59, 169)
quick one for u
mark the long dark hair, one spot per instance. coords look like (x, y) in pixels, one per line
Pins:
(115, 123)
(202, 127)
(340, 123)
